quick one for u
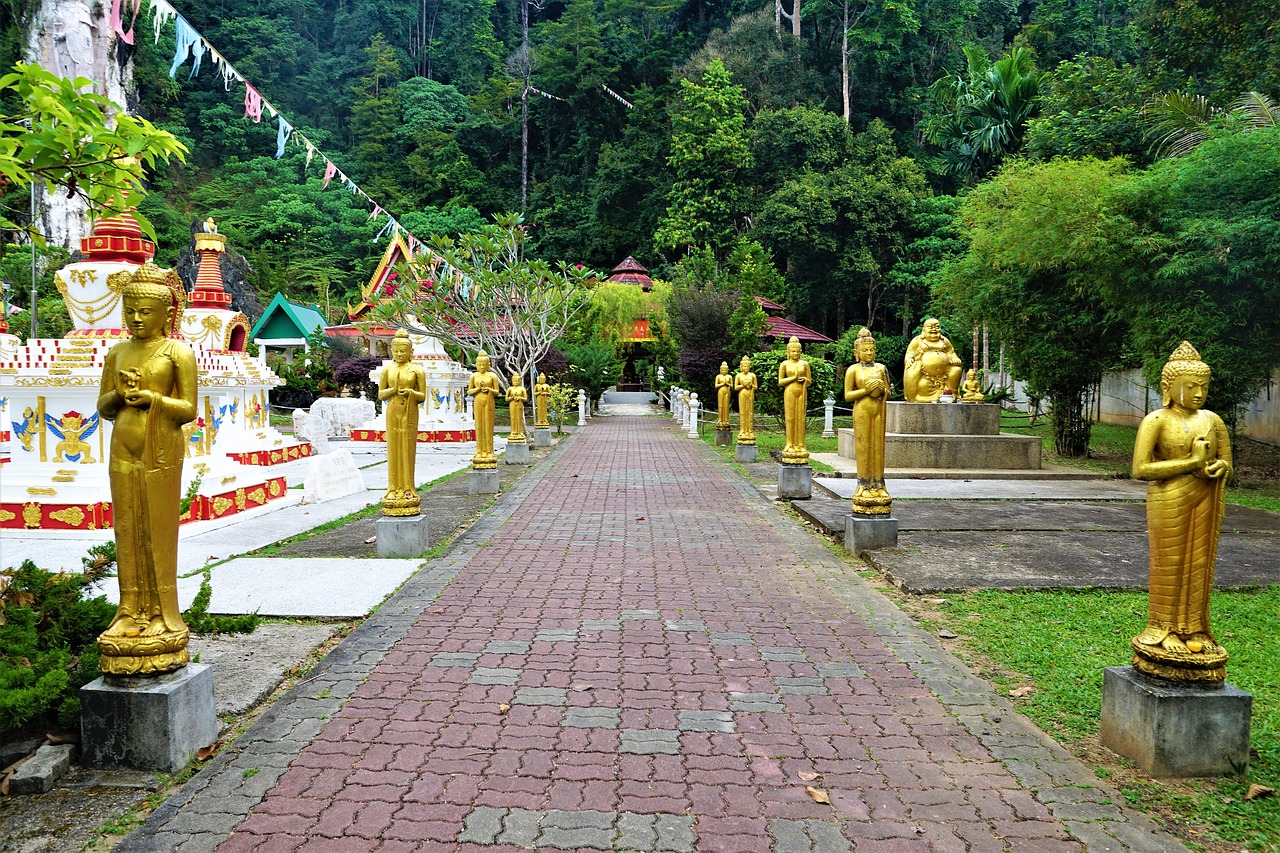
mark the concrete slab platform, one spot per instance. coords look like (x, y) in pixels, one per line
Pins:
(1001, 490)
(847, 467)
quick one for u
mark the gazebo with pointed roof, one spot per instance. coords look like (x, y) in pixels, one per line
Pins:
(631, 271)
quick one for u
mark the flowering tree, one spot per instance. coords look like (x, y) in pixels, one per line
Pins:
(481, 292)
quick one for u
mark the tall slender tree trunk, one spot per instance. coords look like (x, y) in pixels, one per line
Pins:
(844, 59)
(524, 108)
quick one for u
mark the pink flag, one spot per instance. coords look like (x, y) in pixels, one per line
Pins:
(329, 171)
(252, 103)
(116, 19)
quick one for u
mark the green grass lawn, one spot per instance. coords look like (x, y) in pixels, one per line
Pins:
(1059, 642)
(770, 436)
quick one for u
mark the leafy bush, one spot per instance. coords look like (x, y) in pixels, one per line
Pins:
(769, 396)
(48, 635)
(353, 374)
(200, 622)
(593, 365)
(891, 351)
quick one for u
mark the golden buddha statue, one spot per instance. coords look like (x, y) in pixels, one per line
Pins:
(484, 388)
(972, 389)
(932, 365)
(541, 395)
(149, 391)
(724, 391)
(745, 382)
(866, 385)
(516, 397)
(1183, 451)
(794, 378)
(402, 386)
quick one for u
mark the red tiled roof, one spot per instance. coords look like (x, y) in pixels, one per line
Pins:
(781, 327)
(631, 271)
(770, 305)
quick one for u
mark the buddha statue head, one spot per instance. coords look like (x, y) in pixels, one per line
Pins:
(864, 346)
(793, 348)
(744, 366)
(1184, 380)
(401, 347)
(482, 362)
(724, 368)
(931, 331)
(152, 302)
(542, 379)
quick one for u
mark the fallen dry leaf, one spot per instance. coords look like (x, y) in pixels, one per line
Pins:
(578, 688)
(817, 795)
(371, 540)
(209, 751)
(504, 708)
(1259, 791)
(573, 475)
(639, 518)
(806, 776)
(1021, 691)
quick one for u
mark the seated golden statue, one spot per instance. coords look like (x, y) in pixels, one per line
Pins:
(516, 397)
(931, 365)
(972, 389)
(402, 386)
(746, 383)
(1183, 451)
(724, 391)
(794, 378)
(149, 391)
(483, 386)
(541, 394)
(866, 385)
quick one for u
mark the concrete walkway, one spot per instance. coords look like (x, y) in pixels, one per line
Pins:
(634, 650)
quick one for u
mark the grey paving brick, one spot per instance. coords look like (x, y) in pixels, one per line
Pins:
(639, 615)
(482, 825)
(592, 718)
(675, 833)
(573, 830)
(521, 827)
(555, 635)
(454, 659)
(650, 741)
(756, 703)
(840, 669)
(729, 638)
(706, 721)
(789, 836)
(494, 675)
(826, 837)
(540, 696)
(783, 653)
(507, 647)
(602, 625)
(684, 625)
(801, 686)
(637, 832)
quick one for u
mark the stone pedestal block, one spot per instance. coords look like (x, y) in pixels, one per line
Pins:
(724, 437)
(1170, 730)
(401, 537)
(795, 482)
(942, 418)
(483, 482)
(869, 533)
(952, 452)
(517, 453)
(156, 723)
(745, 452)
(542, 437)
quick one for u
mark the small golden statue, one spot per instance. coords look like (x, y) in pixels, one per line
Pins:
(516, 397)
(866, 385)
(1184, 453)
(745, 382)
(541, 395)
(402, 386)
(972, 389)
(149, 391)
(794, 378)
(484, 388)
(724, 392)
(932, 365)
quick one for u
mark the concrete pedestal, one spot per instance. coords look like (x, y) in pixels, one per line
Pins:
(869, 533)
(401, 537)
(542, 437)
(483, 482)
(724, 437)
(1170, 730)
(795, 482)
(517, 453)
(745, 452)
(942, 418)
(155, 723)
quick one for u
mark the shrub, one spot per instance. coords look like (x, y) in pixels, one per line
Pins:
(353, 374)
(769, 396)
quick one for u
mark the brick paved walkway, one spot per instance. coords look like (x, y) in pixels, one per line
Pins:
(635, 651)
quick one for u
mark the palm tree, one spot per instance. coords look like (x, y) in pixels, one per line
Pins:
(1180, 121)
(983, 114)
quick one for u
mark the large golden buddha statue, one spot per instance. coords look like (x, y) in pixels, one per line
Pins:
(794, 378)
(724, 393)
(483, 386)
(149, 391)
(746, 383)
(931, 365)
(1184, 453)
(517, 396)
(541, 395)
(402, 386)
(866, 385)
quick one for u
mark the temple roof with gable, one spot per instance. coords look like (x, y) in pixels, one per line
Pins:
(285, 320)
(631, 271)
(383, 281)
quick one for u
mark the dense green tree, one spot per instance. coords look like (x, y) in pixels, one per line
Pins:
(1224, 46)
(1092, 107)
(709, 153)
(932, 239)
(1038, 257)
(1060, 29)
(379, 147)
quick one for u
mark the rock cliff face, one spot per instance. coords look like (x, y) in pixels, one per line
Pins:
(72, 38)
(235, 276)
